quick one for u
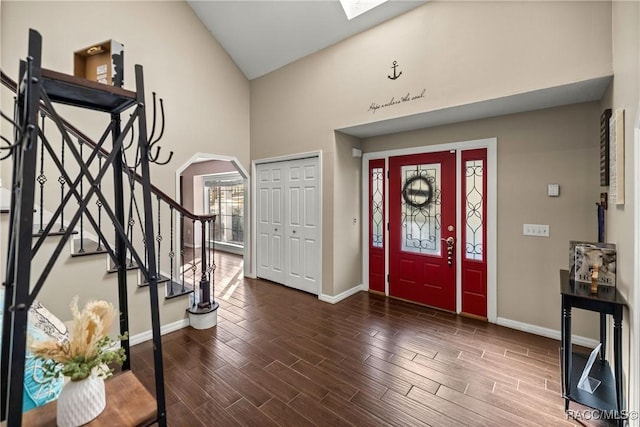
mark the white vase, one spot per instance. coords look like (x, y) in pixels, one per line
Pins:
(81, 401)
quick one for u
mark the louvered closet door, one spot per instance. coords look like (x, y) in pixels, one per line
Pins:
(288, 223)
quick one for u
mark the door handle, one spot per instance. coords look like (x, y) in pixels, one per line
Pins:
(450, 242)
(276, 229)
(294, 231)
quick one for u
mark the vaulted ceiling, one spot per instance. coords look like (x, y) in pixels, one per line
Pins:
(264, 35)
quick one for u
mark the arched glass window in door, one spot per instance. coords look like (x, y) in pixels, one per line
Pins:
(224, 197)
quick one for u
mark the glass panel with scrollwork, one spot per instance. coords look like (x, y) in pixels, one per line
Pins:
(474, 208)
(421, 209)
(377, 205)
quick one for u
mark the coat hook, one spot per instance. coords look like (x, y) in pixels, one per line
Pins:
(153, 122)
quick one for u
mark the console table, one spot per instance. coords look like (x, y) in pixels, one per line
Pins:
(608, 397)
(128, 404)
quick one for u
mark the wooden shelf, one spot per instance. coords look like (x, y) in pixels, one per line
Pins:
(84, 93)
(128, 404)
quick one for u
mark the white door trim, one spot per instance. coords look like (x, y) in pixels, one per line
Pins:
(634, 375)
(491, 144)
(199, 157)
(254, 219)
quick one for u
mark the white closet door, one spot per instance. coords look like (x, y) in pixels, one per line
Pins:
(270, 227)
(302, 213)
(288, 219)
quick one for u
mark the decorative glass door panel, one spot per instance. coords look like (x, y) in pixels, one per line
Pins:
(421, 209)
(377, 175)
(422, 219)
(474, 232)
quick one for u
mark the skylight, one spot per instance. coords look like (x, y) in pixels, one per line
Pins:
(353, 8)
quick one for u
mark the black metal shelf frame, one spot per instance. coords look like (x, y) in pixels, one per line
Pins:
(36, 88)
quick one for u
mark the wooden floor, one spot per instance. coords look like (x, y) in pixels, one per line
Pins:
(282, 357)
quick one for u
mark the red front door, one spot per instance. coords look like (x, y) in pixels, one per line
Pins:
(422, 219)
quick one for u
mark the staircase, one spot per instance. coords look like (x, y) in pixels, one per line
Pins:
(94, 198)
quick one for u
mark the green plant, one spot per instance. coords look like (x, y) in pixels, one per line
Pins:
(88, 349)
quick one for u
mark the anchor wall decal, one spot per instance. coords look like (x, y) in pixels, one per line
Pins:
(395, 74)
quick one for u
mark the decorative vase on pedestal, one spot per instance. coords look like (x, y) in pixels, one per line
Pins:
(81, 401)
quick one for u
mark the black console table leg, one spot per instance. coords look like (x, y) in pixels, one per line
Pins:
(603, 335)
(617, 354)
(566, 352)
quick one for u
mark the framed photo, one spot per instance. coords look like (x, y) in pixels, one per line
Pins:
(616, 157)
(585, 256)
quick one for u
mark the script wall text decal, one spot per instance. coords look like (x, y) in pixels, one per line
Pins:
(395, 101)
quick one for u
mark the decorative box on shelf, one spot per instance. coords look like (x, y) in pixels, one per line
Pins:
(102, 63)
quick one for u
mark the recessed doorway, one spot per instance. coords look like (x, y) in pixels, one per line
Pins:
(214, 184)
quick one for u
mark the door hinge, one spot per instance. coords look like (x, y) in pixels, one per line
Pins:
(388, 174)
(387, 226)
(387, 278)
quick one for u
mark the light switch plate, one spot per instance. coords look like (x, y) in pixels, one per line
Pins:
(553, 190)
(536, 230)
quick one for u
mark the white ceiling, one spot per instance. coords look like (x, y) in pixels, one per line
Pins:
(264, 35)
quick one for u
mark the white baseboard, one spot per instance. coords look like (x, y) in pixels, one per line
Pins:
(545, 332)
(342, 295)
(164, 329)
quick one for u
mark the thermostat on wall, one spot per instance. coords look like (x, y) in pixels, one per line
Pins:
(553, 190)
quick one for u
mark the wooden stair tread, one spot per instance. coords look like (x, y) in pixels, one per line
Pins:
(129, 403)
(177, 290)
(56, 232)
(112, 268)
(90, 247)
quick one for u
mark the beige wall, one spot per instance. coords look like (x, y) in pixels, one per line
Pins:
(624, 93)
(206, 103)
(558, 145)
(347, 208)
(458, 52)
(206, 96)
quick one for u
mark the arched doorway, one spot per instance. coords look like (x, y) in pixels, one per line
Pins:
(211, 183)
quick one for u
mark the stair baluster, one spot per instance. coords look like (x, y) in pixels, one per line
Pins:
(62, 182)
(131, 222)
(171, 253)
(41, 178)
(212, 263)
(182, 264)
(81, 250)
(99, 204)
(159, 240)
(194, 267)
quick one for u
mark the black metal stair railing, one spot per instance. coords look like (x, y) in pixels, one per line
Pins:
(38, 91)
(181, 268)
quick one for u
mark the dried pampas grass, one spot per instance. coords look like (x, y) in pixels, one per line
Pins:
(89, 345)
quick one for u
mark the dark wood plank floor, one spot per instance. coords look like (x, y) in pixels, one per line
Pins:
(281, 357)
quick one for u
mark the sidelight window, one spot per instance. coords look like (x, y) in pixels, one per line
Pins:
(474, 208)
